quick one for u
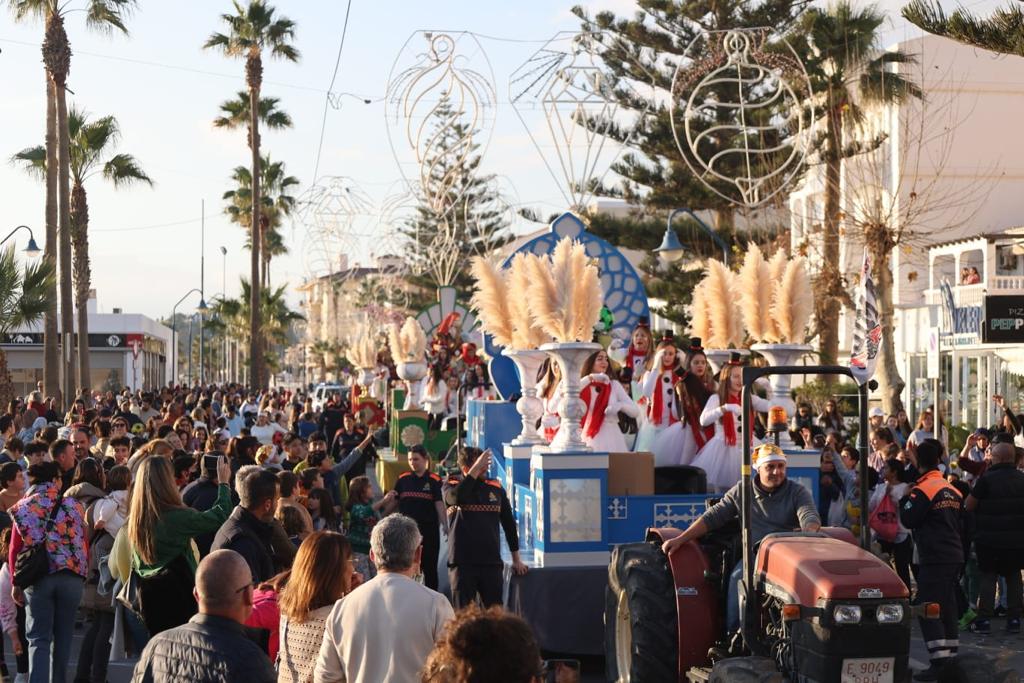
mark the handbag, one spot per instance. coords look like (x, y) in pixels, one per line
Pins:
(33, 561)
(884, 521)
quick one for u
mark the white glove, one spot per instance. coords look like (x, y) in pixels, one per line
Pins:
(550, 421)
(657, 359)
(599, 377)
(732, 408)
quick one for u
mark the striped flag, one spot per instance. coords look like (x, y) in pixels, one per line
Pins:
(867, 332)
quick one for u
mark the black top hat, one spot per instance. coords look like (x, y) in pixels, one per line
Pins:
(643, 321)
(695, 345)
(736, 358)
(668, 336)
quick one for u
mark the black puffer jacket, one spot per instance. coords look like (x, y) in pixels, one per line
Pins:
(250, 537)
(1000, 511)
(208, 649)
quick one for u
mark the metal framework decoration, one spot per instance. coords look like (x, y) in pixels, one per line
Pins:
(440, 112)
(567, 102)
(738, 116)
(338, 219)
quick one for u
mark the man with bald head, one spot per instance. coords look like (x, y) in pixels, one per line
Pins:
(213, 646)
(997, 501)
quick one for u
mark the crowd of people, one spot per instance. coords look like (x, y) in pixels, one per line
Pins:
(219, 534)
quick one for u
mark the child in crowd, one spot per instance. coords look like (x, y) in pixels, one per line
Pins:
(363, 514)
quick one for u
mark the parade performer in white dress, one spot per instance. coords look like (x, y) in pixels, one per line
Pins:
(680, 442)
(658, 389)
(720, 458)
(638, 357)
(605, 399)
(549, 384)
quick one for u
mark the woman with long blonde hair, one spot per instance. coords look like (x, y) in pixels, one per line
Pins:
(161, 529)
(321, 575)
(549, 382)
(658, 388)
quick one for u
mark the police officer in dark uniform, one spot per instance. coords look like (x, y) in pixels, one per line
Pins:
(419, 497)
(476, 508)
(934, 511)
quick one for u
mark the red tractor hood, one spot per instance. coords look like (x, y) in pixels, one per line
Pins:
(813, 568)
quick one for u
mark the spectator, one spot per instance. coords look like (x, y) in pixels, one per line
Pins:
(998, 503)
(926, 429)
(901, 548)
(477, 507)
(112, 511)
(64, 453)
(53, 598)
(331, 418)
(160, 530)
(484, 645)
(349, 438)
(385, 630)
(265, 613)
(419, 497)
(201, 495)
(364, 513)
(974, 451)
(832, 419)
(321, 510)
(12, 616)
(265, 428)
(893, 423)
(321, 576)
(212, 647)
(247, 530)
(933, 510)
(972, 277)
(881, 440)
(82, 442)
(288, 485)
(13, 449)
(306, 425)
(295, 451)
(12, 481)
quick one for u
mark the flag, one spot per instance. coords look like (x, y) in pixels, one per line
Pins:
(867, 331)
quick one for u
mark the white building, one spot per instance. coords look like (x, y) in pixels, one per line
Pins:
(952, 173)
(125, 350)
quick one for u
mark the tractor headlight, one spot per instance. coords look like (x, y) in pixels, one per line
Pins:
(846, 614)
(889, 614)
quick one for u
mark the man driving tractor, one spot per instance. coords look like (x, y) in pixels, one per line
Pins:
(779, 505)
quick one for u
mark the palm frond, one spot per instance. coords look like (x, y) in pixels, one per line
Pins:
(123, 169)
(33, 161)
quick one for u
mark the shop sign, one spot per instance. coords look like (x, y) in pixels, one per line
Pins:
(1004, 320)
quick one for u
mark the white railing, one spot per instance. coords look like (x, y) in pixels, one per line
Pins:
(963, 295)
(1006, 284)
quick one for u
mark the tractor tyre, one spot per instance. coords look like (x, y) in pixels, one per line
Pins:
(640, 624)
(746, 670)
(975, 668)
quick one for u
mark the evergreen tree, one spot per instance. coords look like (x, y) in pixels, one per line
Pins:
(651, 44)
(458, 215)
(1003, 32)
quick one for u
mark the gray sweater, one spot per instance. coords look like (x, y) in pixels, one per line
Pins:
(787, 508)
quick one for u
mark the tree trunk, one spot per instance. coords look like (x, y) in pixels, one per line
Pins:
(82, 275)
(60, 49)
(254, 78)
(830, 277)
(51, 337)
(7, 392)
(890, 384)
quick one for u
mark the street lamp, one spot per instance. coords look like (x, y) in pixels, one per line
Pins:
(201, 309)
(223, 295)
(671, 248)
(32, 249)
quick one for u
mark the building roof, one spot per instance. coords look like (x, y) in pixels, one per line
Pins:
(1008, 234)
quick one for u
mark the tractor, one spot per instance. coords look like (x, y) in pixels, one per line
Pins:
(814, 607)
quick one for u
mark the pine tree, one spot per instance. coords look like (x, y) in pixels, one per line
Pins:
(1003, 32)
(651, 44)
(458, 215)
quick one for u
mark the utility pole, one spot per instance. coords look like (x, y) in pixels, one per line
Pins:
(202, 290)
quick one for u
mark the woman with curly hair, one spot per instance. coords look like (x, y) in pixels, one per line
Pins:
(485, 646)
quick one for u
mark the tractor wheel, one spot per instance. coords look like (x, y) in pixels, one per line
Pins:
(640, 623)
(972, 667)
(746, 670)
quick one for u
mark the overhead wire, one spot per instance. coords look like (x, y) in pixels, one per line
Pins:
(330, 89)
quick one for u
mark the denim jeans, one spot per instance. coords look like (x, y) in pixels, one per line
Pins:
(50, 620)
(732, 602)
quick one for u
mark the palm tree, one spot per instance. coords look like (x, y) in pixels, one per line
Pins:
(849, 72)
(26, 295)
(251, 30)
(235, 114)
(234, 315)
(1003, 32)
(90, 152)
(103, 15)
(277, 204)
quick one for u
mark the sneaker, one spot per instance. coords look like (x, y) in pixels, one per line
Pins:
(981, 627)
(1000, 611)
(932, 673)
(969, 616)
(1013, 625)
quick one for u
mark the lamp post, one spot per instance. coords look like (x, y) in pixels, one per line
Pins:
(201, 309)
(32, 249)
(671, 249)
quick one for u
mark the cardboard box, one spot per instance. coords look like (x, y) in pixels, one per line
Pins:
(630, 474)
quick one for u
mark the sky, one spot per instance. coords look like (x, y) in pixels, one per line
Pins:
(165, 91)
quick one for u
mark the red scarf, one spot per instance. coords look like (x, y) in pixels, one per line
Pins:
(658, 401)
(729, 421)
(594, 418)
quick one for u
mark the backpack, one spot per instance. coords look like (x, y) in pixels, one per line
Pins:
(884, 520)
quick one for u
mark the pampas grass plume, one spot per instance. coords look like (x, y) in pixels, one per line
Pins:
(793, 303)
(526, 333)
(721, 307)
(490, 300)
(776, 269)
(700, 324)
(755, 292)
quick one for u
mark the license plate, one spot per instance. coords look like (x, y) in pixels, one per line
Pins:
(868, 670)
